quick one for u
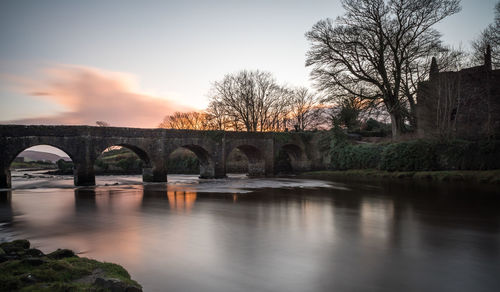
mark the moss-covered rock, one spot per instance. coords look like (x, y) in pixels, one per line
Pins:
(15, 246)
(25, 269)
(61, 254)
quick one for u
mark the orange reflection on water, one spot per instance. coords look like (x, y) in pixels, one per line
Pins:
(181, 201)
(119, 199)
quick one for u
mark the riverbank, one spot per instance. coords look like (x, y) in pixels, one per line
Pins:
(28, 269)
(479, 176)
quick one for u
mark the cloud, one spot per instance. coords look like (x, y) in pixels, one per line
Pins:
(89, 95)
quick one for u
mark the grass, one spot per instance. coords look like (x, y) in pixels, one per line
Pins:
(57, 274)
(482, 176)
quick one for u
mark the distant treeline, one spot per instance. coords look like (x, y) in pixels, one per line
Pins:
(39, 164)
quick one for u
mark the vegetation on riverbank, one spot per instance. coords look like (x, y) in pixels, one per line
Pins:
(118, 161)
(27, 269)
(40, 164)
(481, 176)
(437, 160)
(414, 155)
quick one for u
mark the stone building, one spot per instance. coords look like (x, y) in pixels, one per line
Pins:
(463, 104)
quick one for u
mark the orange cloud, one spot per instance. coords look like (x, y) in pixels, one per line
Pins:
(89, 95)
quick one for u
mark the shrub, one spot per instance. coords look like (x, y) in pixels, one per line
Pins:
(130, 164)
(409, 156)
(183, 164)
(468, 155)
(374, 128)
(64, 166)
(417, 155)
(454, 155)
(348, 156)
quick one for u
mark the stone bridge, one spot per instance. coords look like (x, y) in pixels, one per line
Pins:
(84, 144)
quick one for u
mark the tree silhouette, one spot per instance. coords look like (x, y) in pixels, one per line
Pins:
(365, 52)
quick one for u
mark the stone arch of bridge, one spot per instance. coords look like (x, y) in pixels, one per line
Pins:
(14, 149)
(142, 154)
(290, 158)
(147, 167)
(256, 159)
(207, 169)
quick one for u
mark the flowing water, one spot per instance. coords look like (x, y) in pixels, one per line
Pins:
(269, 234)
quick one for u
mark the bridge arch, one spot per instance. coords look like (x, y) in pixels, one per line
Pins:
(206, 162)
(17, 148)
(236, 162)
(147, 167)
(290, 158)
(255, 157)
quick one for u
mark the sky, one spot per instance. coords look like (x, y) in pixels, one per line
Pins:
(130, 63)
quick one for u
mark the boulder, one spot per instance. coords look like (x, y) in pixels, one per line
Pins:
(15, 246)
(34, 252)
(61, 254)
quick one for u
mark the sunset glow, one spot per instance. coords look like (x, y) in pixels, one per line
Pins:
(88, 95)
(70, 63)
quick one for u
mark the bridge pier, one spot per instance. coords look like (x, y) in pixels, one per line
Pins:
(220, 169)
(156, 169)
(5, 179)
(153, 174)
(212, 170)
(84, 174)
(207, 169)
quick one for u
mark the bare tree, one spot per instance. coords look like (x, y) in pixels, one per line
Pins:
(417, 70)
(365, 51)
(490, 36)
(305, 111)
(251, 100)
(189, 121)
(218, 117)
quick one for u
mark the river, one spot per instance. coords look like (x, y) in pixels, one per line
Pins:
(268, 234)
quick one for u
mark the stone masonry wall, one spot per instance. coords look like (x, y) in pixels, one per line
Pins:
(463, 104)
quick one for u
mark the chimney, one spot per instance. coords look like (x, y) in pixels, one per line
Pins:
(487, 58)
(434, 69)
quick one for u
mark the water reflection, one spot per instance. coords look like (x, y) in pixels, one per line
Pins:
(85, 201)
(181, 201)
(359, 237)
(6, 214)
